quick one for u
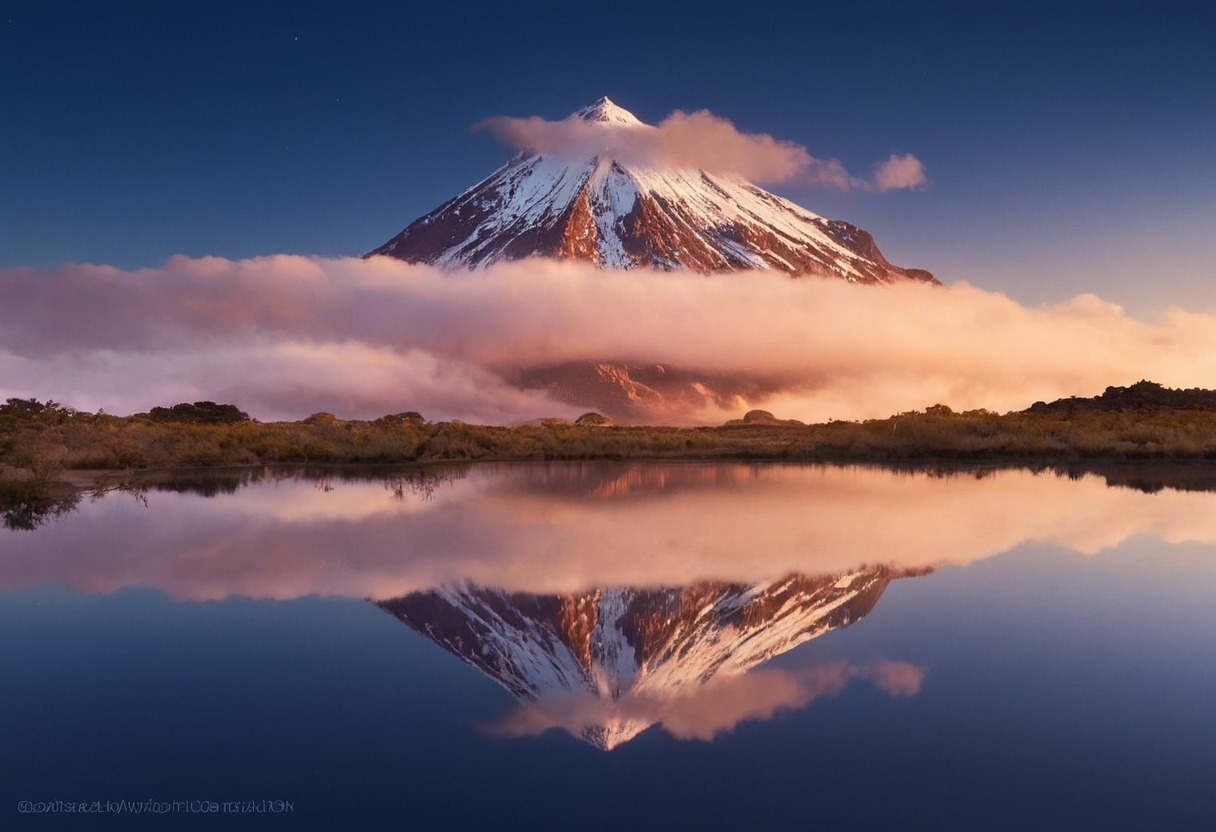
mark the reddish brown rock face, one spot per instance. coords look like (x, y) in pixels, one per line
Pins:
(579, 237)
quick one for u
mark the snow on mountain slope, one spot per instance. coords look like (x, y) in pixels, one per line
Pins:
(600, 209)
(606, 644)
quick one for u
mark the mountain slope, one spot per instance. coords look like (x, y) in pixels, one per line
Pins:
(601, 210)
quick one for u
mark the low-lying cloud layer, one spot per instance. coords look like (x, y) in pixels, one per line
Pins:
(286, 336)
(699, 140)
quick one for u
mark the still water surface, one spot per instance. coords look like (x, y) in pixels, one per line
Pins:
(615, 646)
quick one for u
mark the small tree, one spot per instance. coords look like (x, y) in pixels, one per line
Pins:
(593, 419)
(199, 413)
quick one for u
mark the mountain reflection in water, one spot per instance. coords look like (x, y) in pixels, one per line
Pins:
(607, 664)
(223, 638)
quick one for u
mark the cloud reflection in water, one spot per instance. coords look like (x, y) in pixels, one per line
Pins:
(569, 528)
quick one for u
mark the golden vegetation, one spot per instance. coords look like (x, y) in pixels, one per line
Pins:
(38, 441)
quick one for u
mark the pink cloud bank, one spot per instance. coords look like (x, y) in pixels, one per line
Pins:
(285, 336)
(520, 534)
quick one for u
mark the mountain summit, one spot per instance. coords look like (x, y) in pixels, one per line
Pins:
(598, 207)
(605, 110)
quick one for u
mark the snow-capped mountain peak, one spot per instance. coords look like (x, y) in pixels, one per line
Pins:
(594, 204)
(605, 110)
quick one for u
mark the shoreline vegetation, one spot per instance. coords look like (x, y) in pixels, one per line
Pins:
(41, 442)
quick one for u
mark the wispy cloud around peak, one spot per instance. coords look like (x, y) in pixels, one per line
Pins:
(899, 172)
(698, 140)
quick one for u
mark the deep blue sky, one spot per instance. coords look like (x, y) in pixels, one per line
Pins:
(1070, 146)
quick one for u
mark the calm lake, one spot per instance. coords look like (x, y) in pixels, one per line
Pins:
(614, 646)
